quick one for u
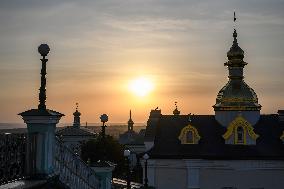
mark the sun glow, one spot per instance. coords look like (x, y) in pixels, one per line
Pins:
(141, 86)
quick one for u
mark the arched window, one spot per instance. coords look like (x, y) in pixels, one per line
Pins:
(240, 135)
(189, 137)
(241, 132)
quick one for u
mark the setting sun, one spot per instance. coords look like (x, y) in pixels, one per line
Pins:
(141, 86)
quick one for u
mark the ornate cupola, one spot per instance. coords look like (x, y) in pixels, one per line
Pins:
(130, 122)
(77, 114)
(236, 96)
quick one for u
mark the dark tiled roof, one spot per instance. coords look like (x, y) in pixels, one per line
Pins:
(211, 144)
(75, 131)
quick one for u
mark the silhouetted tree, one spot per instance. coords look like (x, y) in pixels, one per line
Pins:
(95, 148)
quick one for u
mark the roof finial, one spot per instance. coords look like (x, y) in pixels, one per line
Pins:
(130, 122)
(176, 111)
(77, 106)
(235, 52)
(235, 35)
(235, 31)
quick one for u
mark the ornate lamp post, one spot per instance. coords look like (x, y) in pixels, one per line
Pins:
(126, 155)
(41, 124)
(104, 119)
(43, 49)
(146, 157)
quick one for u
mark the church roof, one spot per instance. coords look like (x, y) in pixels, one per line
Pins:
(211, 145)
(75, 131)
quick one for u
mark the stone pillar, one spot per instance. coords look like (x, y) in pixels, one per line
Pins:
(41, 125)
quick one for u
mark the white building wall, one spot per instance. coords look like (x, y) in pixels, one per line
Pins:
(167, 174)
(151, 172)
(241, 179)
(215, 174)
(226, 117)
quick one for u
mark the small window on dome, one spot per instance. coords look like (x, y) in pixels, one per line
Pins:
(189, 137)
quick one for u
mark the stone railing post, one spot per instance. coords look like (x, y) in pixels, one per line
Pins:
(40, 141)
(103, 170)
(41, 125)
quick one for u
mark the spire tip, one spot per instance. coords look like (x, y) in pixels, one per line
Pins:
(77, 106)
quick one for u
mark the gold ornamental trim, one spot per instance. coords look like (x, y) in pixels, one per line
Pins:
(238, 100)
(237, 122)
(237, 108)
(185, 130)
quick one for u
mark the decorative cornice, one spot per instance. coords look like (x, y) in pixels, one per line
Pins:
(237, 99)
(236, 108)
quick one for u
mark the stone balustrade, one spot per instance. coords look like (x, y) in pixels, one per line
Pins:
(72, 170)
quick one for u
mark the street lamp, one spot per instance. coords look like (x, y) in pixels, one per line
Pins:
(126, 154)
(146, 157)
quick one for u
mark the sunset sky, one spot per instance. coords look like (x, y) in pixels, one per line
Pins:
(99, 47)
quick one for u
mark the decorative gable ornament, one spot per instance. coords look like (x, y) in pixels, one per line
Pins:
(241, 132)
(189, 135)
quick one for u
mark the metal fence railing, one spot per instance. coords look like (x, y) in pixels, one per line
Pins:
(12, 157)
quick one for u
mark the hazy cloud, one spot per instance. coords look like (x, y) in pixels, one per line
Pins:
(96, 45)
